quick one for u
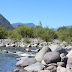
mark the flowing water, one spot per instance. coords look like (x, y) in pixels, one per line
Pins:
(7, 62)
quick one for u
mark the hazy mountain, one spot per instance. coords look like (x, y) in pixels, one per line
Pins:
(5, 22)
(28, 24)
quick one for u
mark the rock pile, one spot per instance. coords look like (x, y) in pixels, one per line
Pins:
(48, 60)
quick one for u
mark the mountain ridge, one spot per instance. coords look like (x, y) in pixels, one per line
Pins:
(4, 22)
(28, 24)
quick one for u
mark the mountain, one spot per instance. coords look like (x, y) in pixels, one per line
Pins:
(28, 24)
(4, 22)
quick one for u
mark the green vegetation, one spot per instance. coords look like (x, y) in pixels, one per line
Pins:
(3, 32)
(26, 32)
(65, 34)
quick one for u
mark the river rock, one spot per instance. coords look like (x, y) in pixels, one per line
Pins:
(63, 44)
(43, 62)
(69, 55)
(2, 45)
(56, 41)
(28, 49)
(51, 68)
(26, 61)
(57, 48)
(29, 45)
(41, 53)
(34, 45)
(68, 47)
(69, 68)
(61, 64)
(44, 71)
(34, 67)
(16, 70)
(51, 57)
(61, 69)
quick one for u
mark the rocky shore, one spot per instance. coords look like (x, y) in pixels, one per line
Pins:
(45, 56)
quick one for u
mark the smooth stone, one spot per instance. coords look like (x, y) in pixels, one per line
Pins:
(34, 67)
(57, 48)
(51, 57)
(61, 64)
(43, 62)
(50, 68)
(61, 69)
(39, 56)
(25, 61)
(44, 71)
(16, 70)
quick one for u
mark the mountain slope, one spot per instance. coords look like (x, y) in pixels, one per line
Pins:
(28, 24)
(4, 22)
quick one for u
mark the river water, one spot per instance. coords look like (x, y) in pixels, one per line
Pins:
(7, 62)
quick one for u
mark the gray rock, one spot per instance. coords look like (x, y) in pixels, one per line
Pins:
(68, 47)
(63, 44)
(62, 55)
(34, 45)
(51, 57)
(41, 53)
(61, 69)
(34, 67)
(56, 41)
(69, 68)
(44, 71)
(57, 48)
(69, 61)
(27, 49)
(2, 45)
(43, 62)
(61, 64)
(50, 68)
(26, 61)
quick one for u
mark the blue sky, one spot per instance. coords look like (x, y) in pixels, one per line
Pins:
(52, 13)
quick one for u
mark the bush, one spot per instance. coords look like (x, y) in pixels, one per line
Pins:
(27, 40)
(3, 33)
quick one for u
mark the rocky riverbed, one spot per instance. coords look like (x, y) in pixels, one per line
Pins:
(40, 56)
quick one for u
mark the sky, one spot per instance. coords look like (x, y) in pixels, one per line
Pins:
(51, 13)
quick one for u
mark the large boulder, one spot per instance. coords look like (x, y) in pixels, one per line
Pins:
(25, 61)
(34, 67)
(57, 48)
(51, 57)
(41, 53)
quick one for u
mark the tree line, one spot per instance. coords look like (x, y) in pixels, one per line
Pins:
(46, 34)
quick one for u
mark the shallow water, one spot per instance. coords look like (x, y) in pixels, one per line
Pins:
(7, 62)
